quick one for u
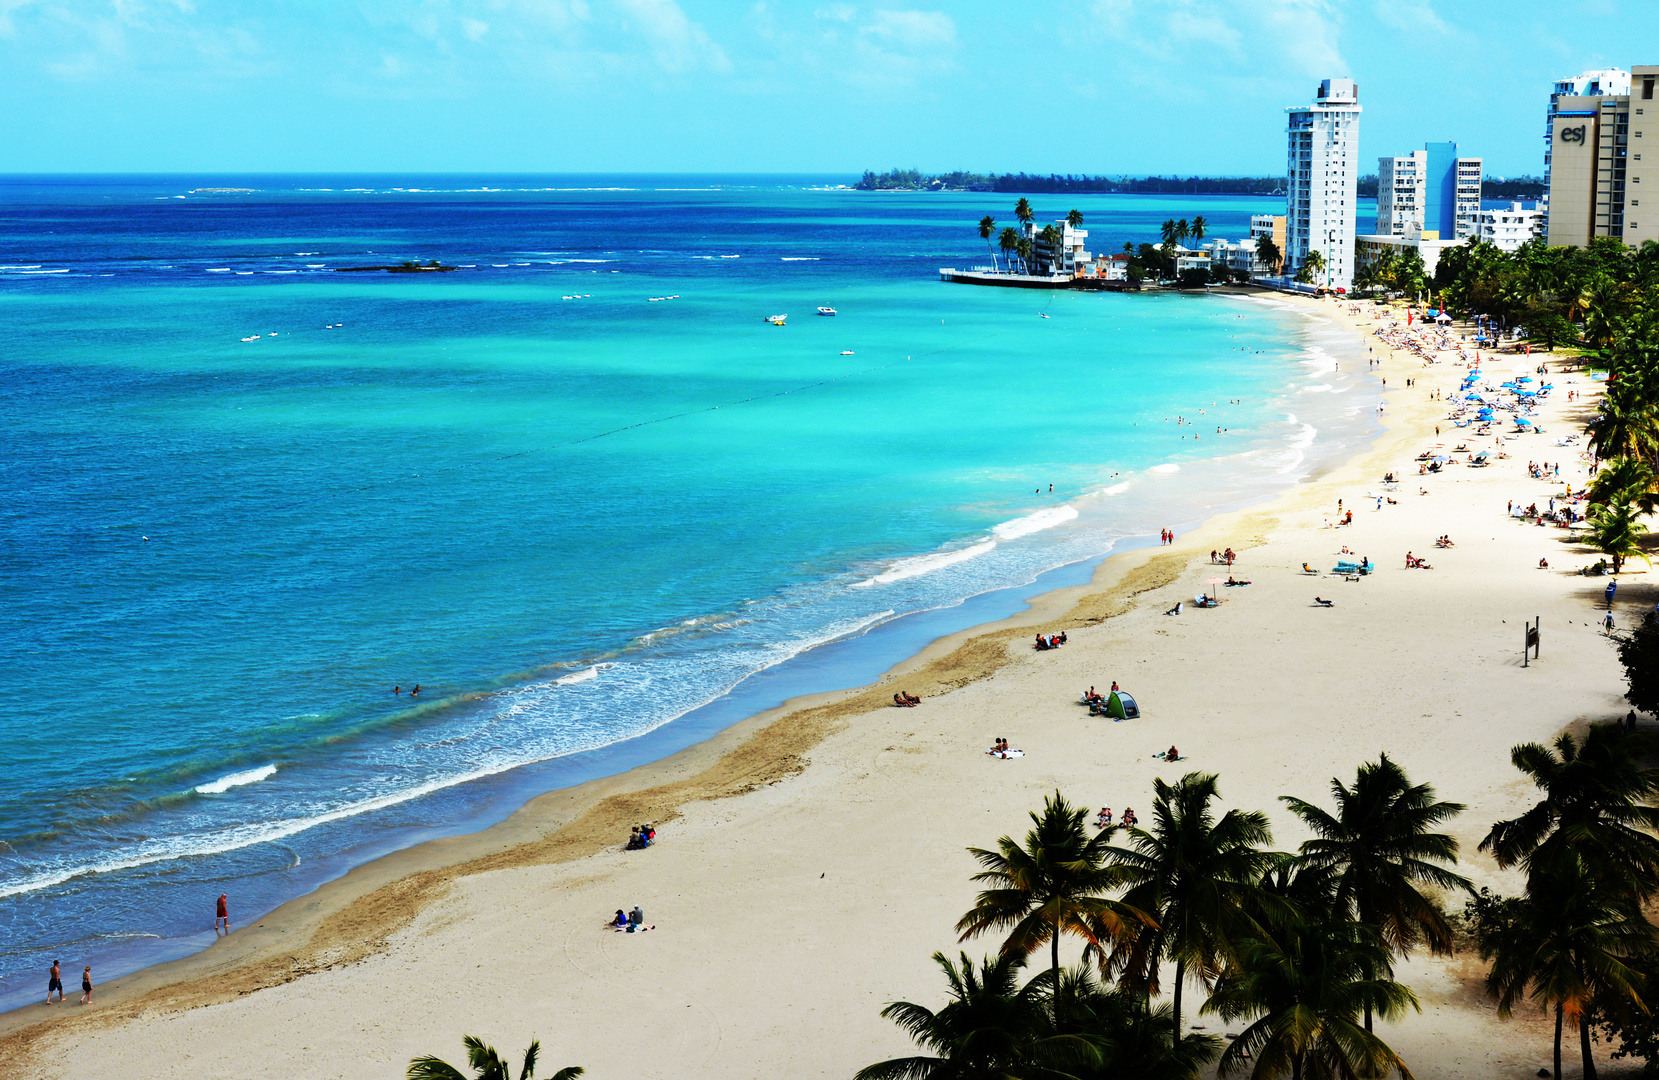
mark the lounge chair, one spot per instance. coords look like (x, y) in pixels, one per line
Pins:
(1324, 603)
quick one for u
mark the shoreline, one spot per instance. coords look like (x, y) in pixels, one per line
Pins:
(349, 917)
(841, 786)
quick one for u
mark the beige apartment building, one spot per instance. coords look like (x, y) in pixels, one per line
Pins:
(1601, 165)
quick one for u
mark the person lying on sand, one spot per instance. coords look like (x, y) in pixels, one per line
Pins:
(1176, 610)
(1234, 581)
(1324, 603)
(901, 703)
(909, 697)
(1306, 569)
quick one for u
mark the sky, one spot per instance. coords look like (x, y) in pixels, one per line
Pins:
(1104, 87)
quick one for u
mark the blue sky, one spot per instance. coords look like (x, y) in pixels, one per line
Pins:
(1095, 86)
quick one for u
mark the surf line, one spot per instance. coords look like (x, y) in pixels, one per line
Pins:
(646, 423)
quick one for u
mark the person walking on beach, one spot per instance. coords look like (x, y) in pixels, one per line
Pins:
(86, 985)
(222, 918)
(54, 981)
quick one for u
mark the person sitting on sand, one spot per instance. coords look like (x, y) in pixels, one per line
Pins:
(1129, 818)
(1042, 642)
(1172, 754)
(1062, 637)
(1543, 564)
(621, 920)
(1105, 819)
(1114, 686)
(1176, 610)
(911, 698)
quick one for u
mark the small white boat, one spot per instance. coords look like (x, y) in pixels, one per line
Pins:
(826, 311)
(776, 320)
(846, 352)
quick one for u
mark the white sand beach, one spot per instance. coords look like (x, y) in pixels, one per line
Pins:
(810, 860)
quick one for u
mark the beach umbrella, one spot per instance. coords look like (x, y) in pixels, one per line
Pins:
(1212, 583)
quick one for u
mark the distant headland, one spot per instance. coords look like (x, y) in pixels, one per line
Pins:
(1492, 187)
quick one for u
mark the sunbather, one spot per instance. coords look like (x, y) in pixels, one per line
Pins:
(910, 698)
(1176, 610)
(1324, 603)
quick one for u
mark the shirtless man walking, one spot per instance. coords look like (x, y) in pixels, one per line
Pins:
(54, 982)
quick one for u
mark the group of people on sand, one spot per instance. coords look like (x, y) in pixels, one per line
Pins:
(1001, 749)
(641, 837)
(630, 922)
(1225, 557)
(905, 700)
(54, 981)
(1094, 698)
(1415, 563)
(1050, 641)
(1104, 821)
(1444, 541)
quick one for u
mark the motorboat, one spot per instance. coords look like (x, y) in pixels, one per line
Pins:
(776, 320)
(826, 311)
(846, 352)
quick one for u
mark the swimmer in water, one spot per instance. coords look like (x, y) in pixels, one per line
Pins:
(416, 691)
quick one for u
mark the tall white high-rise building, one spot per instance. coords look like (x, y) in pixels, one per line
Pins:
(1321, 175)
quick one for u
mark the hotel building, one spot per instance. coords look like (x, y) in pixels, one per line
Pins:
(1431, 190)
(1609, 82)
(1321, 174)
(1601, 162)
(1507, 229)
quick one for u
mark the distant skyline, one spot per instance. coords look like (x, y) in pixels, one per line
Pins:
(1080, 86)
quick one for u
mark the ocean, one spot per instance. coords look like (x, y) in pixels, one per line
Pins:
(578, 490)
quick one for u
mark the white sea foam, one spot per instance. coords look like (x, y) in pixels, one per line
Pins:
(1046, 518)
(1166, 467)
(917, 565)
(1116, 489)
(799, 258)
(585, 675)
(236, 779)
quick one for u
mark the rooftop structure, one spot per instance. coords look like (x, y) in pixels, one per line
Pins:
(1321, 175)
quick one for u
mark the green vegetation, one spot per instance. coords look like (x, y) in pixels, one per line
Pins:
(486, 1064)
(1054, 184)
(1299, 946)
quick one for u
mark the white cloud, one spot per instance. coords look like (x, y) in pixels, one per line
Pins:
(1301, 36)
(1409, 18)
(914, 29)
(677, 44)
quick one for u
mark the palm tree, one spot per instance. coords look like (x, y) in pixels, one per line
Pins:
(987, 226)
(1074, 218)
(1306, 985)
(1312, 266)
(1009, 241)
(1194, 876)
(991, 1029)
(1053, 885)
(1628, 423)
(1595, 803)
(1615, 532)
(1378, 847)
(1626, 479)
(1051, 236)
(1566, 948)
(1167, 230)
(1268, 252)
(1022, 210)
(1182, 231)
(486, 1064)
(1198, 228)
(1134, 1043)
(1025, 248)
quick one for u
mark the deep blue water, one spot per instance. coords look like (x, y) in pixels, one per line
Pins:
(248, 494)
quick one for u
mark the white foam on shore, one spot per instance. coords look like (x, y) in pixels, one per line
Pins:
(926, 564)
(238, 779)
(1166, 467)
(1116, 489)
(585, 675)
(1045, 518)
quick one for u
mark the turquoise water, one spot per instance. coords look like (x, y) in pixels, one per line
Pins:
(572, 514)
